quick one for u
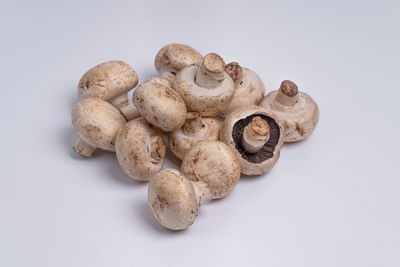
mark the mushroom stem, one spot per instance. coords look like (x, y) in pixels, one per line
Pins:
(255, 135)
(203, 192)
(129, 111)
(120, 101)
(211, 72)
(193, 124)
(287, 94)
(83, 148)
(158, 149)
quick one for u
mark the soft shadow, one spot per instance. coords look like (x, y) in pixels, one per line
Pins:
(173, 159)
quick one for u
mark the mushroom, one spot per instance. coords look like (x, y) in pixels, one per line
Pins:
(159, 104)
(174, 57)
(97, 123)
(206, 88)
(249, 88)
(194, 129)
(297, 111)
(255, 136)
(140, 149)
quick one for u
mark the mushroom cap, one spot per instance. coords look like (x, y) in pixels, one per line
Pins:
(180, 143)
(160, 105)
(140, 149)
(97, 122)
(299, 120)
(214, 163)
(208, 102)
(172, 199)
(249, 89)
(232, 131)
(174, 57)
(107, 80)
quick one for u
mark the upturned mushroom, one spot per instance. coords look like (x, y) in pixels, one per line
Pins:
(249, 88)
(206, 88)
(140, 149)
(97, 123)
(174, 57)
(297, 111)
(159, 104)
(255, 136)
(194, 129)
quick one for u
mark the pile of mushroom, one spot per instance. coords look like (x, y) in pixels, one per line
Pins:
(214, 117)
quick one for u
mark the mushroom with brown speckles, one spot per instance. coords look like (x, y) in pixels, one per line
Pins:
(206, 88)
(97, 123)
(194, 129)
(255, 136)
(140, 149)
(297, 111)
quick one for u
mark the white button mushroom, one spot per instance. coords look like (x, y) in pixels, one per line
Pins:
(255, 136)
(97, 123)
(297, 111)
(206, 88)
(249, 88)
(140, 149)
(194, 130)
(159, 104)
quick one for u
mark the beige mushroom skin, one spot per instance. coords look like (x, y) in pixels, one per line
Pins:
(213, 163)
(297, 111)
(140, 149)
(174, 200)
(97, 123)
(160, 105)
(194, 129)
(206, 88)
(254, 137)
(249, 88)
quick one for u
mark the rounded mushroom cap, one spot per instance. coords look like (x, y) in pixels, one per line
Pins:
(214, 163)
(249, 88)
(140, 149)
(232, 132)
(174, 57)
(298, 120)
(180, 143)
(172, 199)
(160, 105)
(97, 122)
(107, 81)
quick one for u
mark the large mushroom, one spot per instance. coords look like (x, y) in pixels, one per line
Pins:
(249, 88)
(194, 129)
(140, 149)
(255, 136)
(297, 111)
(97, 123)
(206, 88)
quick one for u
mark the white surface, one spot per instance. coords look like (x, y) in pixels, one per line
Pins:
(332, 200)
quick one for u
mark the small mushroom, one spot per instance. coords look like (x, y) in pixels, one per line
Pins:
(297, 111)
(174, 200)
(214, 163)
(255, 136)
(174, 57)
(140, 149)
(97, 123)
(194, 129)
(159, 104)
(206, 88)
(249, 88)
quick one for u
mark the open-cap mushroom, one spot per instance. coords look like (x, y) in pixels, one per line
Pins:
(140, 149)
(206, 88)
(174, 57)
(175, 200)
(255, 136)
(249, 88)
(159, 104)
(97, 123)
(194, 129)
(297, 111)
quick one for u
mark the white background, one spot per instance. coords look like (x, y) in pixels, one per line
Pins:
(332, 200)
